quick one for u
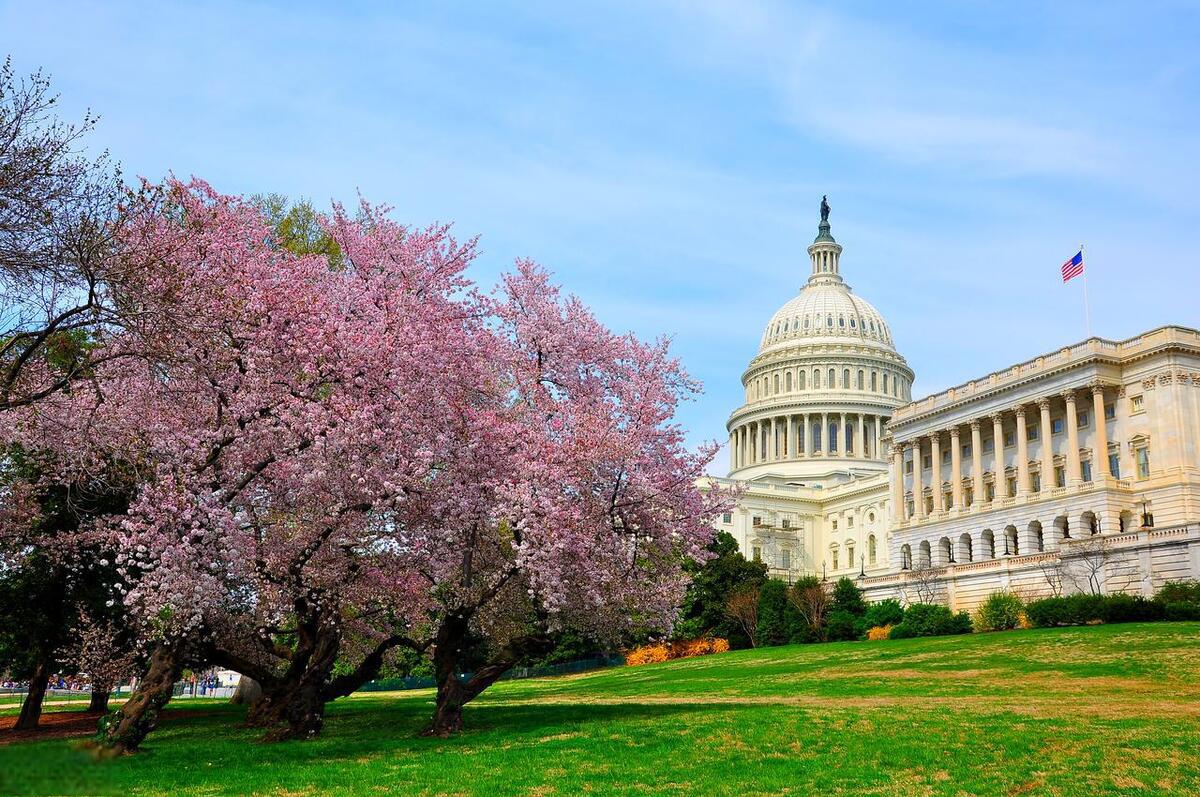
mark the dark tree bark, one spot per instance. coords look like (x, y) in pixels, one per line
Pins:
(294, 708)
(127, 728)
(99, 702)
(31, 710)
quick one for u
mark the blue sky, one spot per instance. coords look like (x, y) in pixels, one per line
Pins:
(666, 160)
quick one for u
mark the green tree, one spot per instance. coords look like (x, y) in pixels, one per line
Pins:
(712, 584)
(298, 227)
(778, 620)
(846, 616)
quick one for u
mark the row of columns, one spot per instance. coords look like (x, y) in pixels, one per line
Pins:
(1074, 468)
(779, 438)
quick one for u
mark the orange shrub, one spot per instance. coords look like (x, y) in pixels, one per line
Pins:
(665, 651)
(879, 632)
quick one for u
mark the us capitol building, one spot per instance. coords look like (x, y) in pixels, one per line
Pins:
(1076, 471)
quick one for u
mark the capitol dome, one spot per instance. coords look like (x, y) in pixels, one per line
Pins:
(823, 384)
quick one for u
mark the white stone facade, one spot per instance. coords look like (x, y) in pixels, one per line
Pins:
(1076, 471)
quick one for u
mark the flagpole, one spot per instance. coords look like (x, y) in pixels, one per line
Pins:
(1087, 312)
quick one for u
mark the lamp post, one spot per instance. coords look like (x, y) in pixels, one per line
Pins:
(862, 565)
(823, 576)
(1147, 518)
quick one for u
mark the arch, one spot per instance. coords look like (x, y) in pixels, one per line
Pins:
(874, 381)
(965, 550)
(924, 555)
(801, 378)
(906, 560)
(845, 378)
(885, 382)
(945, 552)
(871, 549)
(988, 540)
(831, 383)
(817, 437)
(787, 381)
(776, 384)
(816, 379)
(1125, 520)
(861, 379)
(1089, 524)
(1035, 539)
(832, 438)
(1063, 524)
(1010, 541)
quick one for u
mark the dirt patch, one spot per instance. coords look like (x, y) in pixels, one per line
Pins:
(72, 724)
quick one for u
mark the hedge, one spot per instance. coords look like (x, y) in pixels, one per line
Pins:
(927, 619)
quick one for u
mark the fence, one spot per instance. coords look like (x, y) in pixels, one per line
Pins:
(14, 697)
(566, 668)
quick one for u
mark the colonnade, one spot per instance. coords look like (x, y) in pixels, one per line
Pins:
(807, 434)
(914, 450)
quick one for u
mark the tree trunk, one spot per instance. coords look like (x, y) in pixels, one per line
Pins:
(295, 708)
(31, 710)
(248, 692)
(125, 730)
(452, 692)
(99, 702)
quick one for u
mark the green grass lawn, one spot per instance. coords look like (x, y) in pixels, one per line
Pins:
(1087, 711)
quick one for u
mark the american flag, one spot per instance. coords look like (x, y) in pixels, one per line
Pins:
(1073, 267)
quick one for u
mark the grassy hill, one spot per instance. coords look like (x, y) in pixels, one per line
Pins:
(1089, 711)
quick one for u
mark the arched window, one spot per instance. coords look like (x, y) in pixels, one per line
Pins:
(776, 383)
(871, 548)
(816, 380)
(832, 383)
(842, 321)
(846, 378)
(806, 322)
(802, 377)
(829, 320)
(874, 381)
(787, 381)
(885, 376)
(849, 554)
(860, 379)
(906, 557)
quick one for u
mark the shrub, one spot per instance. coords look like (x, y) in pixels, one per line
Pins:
(1089, 609)
(847, 597)
(927, 619)
(666, 651)
(842, 626)
(1000, 612)
(887, 612)
(1130, 609)
(879, 632)
(1179, 600)
(777, 618)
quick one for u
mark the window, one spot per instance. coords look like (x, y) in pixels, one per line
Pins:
(787, 381)
(911, 510)
(832, 383)
(966, 451)
(908, 466)
(1010, 485)
(989, 492)
(871, 518)
(727, 518)
(1136, 404)
(871, 549)
(946, 456)
(802, 376)
(835, 525)
(1031, 432)
(1010, 439)
(927, 461)
(988, 446)
(834, 555)
(1141, 455)
(846, 378)
(816, 380)
(968, 496)
(1083, 419)
(874, 381)
(1060, 476)
(885, 383)
(1056, 426)
(1036, 479)
(1114, 464)
(785, 559)
(861, 379)
(849, 522)
(842, 321)
(849, 556)
(829, 321)
(786, 523)
(1085, 468)
(777, 383)
(757, 520)
(757, 553)
(1110, 412)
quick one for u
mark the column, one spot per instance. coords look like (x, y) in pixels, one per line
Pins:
(843, 446)
(935, 461)
(898, 508)
(1100, 449)
(998, 453)
(1047, 445)
(825, 433)
(878, 437)
(1022, 454)
(918, 487)
(976, 463)
(862, 435)
(808, 435)
(773, 443)
(733, 450)
(1073, 467)
(956, 491)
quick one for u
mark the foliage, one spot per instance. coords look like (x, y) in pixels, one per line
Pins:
(741, 607)
(846, 618)
(778, 620)
(724, 575)
(878, 632)
(841, 626)
(1000, 611)
(678, 649)
(886, 612)
(1180, 600)
(928, 619)
(847, 597)
(1085, 609)
(812, 603)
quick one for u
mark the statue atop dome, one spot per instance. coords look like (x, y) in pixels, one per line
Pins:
(824, 208)
(823, 235)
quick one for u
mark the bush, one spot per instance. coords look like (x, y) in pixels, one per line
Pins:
(848, 598)
(887, 612)
(1000, 612)
(927, 619)
(1090, 609)
(842, 626)
(879, 632)
(778, 621)
(1179, 600)
(666, 651)
(1130, 609)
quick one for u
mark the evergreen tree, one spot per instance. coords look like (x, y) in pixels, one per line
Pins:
(712, 583)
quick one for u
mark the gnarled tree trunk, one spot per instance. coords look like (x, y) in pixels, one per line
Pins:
(125, 730)
(248, 692)
(295, 707)
(31, 710)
